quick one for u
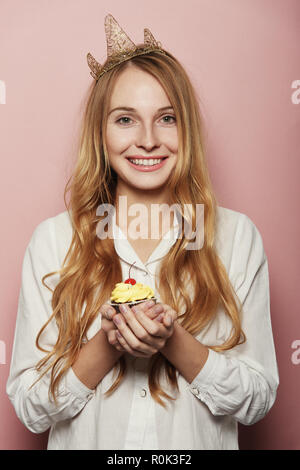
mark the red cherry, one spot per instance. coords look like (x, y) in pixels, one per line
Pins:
(130, 281)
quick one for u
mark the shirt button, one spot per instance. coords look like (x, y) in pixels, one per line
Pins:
(143, 392)
(195, 391)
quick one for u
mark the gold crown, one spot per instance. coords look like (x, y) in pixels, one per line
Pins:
(120, 47)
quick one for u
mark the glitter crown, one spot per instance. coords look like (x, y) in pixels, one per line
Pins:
(120, 47)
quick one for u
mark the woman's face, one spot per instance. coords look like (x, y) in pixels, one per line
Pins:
(141, 134)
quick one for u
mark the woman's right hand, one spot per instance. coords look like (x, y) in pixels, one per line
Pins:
(108, 326)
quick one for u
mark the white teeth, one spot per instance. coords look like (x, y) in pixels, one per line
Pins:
(149, 162)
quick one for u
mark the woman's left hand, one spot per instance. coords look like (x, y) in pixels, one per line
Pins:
(141, 336)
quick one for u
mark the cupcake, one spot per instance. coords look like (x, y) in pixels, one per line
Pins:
(127, 293)
(130, 293)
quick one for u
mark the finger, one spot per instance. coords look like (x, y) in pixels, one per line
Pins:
(139, 324)
(111, 337)
(159, 318)
(167, 320)
(170, 311)
(125, 346)
(146, 305)
(154, 311)
(113, 340)
(151, 308)
(152, 328)
(129, 335)
(107, 311)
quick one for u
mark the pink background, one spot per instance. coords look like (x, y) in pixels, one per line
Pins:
(243, 57)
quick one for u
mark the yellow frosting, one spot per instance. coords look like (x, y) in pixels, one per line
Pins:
(128, 293)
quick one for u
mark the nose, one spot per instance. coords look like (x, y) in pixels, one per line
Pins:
(147, 138)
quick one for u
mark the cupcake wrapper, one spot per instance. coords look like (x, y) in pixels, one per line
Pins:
(116, 305)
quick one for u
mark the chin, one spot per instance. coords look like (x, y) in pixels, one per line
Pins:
(143, 181)
(148, 186)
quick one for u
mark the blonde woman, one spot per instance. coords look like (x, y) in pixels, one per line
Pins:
(178, 374)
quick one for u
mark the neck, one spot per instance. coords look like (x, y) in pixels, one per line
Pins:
(141, 196)
(147, 199)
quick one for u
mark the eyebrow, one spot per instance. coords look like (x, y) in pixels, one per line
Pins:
(126, 108)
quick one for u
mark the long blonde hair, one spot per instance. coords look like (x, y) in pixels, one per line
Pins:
(92, 262)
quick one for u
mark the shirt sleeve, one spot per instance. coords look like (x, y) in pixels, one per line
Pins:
(32, 405)
(242, 382)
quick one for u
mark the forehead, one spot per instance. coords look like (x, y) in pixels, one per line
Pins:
(135, 87)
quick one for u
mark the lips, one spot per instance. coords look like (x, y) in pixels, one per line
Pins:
(142, 157)
(136, 162)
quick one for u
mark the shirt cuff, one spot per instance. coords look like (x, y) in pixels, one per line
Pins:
(76, 387)
(201, 383)
(206, 375)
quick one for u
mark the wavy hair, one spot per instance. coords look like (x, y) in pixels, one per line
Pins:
(92, 262)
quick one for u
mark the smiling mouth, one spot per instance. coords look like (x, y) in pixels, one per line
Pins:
(146, 162)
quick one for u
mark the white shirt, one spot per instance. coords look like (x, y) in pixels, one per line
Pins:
(238, 385)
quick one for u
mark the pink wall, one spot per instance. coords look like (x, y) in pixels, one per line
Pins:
(243, 58)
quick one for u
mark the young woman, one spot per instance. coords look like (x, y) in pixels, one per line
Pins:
(179, 374)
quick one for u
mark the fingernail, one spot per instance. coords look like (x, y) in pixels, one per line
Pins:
(158, 308)
(160, 317)
(149, 303)
(117, 320)
(123, 308)
(168, 320)
(110, 312)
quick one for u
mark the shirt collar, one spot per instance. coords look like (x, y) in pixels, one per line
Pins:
(127, 253)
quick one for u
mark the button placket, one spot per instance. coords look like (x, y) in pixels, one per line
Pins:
(139, 409)
(141, 382)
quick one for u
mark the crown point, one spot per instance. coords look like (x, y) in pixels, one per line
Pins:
(149, 39)
(116, 38)
(109, 19)
(93, 65)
